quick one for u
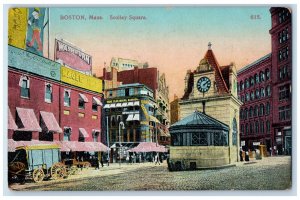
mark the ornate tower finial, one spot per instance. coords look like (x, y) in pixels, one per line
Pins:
(209, 46)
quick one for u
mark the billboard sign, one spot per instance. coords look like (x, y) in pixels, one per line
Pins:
(73, 57)
(17, 27)
(79, 79)
(35, 30)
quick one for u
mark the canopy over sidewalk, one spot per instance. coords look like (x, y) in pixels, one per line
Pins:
(148, 147)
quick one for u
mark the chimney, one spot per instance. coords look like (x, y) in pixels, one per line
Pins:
(114, 76)
(136, 74)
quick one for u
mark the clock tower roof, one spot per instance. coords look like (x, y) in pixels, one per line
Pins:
(210, 57)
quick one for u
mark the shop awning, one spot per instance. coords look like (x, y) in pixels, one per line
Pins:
(11, 122)
(124, 104)
(154, 119)
(12, 144)
(136, 117)
(28, 120)
(50, 122)
(136, 103)
(106, 106)
(113, 105)
(83, 132)
(97, 101)
(83, 97)
(118, 105)
(130, 104)
(84, 146)
(130, 117)
(148, 147)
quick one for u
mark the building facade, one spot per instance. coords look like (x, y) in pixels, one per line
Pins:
(132, 105)
(281, 37)
(265, 90)
(151, 78)
(255, 91)
(212, 89)
(51, 103)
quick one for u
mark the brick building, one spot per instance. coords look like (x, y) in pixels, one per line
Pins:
(175, 110)
(266, 85)
(255, 91)
(48, 103)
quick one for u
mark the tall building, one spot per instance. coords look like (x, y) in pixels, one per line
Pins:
(152, 79)
(265, 89)
(255, 91)
(212, 89)
(281, 36)
(122, 64)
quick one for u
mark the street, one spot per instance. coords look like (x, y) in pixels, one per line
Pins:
(271, 173)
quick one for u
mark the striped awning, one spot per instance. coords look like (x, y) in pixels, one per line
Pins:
(28, 119)
(83, 132)
(50, 122)
(83, 97)
(97, 101)
(11, 122)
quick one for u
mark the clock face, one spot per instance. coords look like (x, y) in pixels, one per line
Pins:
(203, 84)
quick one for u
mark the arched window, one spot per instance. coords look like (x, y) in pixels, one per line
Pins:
(241, 86)
(251, 112)
(262, 127)
(261, 110)
(256, 127)
(268, 107)
(262, 92)
(256, 78)
(257, 94)
(247, 83)
(268, 126)
(267, 74)
(234, 132)
(256, 111)
(251, 81)
(246, 113)
(247, 129)
(252, 95)
(268, 90)
(262, 76)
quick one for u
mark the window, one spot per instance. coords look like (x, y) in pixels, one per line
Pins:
(251, 127)
(283, 72)
(242, 85)
(242, 129)
(256, 111)
(67, 133)
(246, 113)
(131, 91)
(67, 98)
(283, 53)
(257, 94)
(251, 81)
(262, 76)
(262, 127)
(247, 83)
(268, 107)
(241, 114)
(121, 93)
(252, 95)
(283, 15)
(95, 104)
(267, 74)
(82, 99)
(95, 135)
(243, 98)
(247, 129)
(48, 92)
(261, 109)
(268, 126)
(250, 112)
(256, 127)
(247, 97)
(284, 113)
(127, 92)
(24, 84)
(234, 132)
(284, 92)
(268, 90)
(110, 93)
(262, 92)
(256, 78)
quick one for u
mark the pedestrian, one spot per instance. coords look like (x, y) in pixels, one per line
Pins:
(247, 156)
(133, 158)
(241, 154)
(101, 161)
(140, 158)
(97, 163)
(270, 151)
(127, 159)
(156, 158)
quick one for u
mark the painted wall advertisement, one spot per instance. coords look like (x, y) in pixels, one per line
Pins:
(71, 56)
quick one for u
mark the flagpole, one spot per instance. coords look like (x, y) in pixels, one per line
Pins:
(48, 32)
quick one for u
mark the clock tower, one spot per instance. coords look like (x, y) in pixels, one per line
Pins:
(211, 88)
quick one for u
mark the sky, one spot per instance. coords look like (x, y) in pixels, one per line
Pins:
(173, 39)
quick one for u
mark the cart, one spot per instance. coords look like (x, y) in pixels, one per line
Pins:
(37, 162)
(73, 165)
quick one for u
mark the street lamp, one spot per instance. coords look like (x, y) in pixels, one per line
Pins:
(121, 124)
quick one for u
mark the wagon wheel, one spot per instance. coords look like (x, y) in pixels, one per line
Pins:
(38, 175)
(73, 170)
(58, 171)
(87, 165)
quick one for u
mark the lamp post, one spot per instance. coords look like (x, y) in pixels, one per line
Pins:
(121, 124)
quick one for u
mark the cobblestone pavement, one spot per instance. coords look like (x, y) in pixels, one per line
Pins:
(272, 173)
